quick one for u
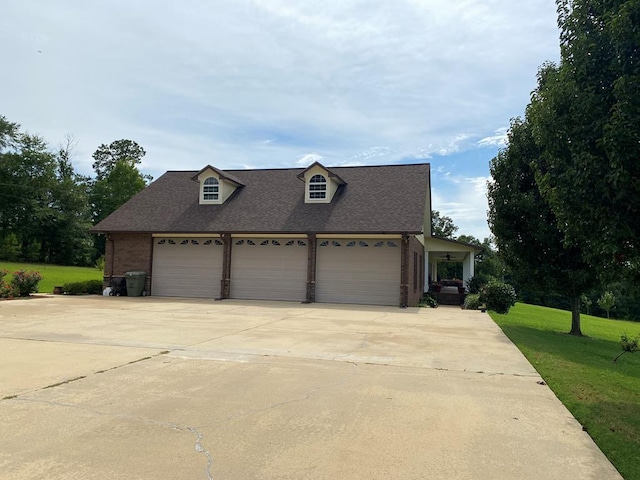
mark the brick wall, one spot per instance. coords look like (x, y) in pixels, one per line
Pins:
(128, 252)
(416, 271)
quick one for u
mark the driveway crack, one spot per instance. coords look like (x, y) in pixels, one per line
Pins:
(174, 426)
(363, 345)
(200, 449)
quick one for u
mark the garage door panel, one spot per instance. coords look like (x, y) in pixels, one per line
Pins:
(187, 267)
(269, 269)
(356, 271)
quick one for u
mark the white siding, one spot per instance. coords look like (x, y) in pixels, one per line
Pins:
(187, 267)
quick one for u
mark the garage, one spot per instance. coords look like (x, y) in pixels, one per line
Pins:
(269, 269)
(358, 271)
(187, 267)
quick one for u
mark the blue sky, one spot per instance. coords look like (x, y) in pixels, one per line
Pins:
(274, 83)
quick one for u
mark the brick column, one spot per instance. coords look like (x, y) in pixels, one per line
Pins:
(311, 267)
(225, 283)
(404, 271)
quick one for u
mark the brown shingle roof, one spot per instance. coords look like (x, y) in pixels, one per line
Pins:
(378, 199)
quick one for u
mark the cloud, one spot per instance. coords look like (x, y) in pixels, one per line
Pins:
(308, 159)
(268, 82)
(464, 199)
(499, 139)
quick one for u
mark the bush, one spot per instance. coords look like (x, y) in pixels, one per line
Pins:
(498, 296)
(25, 283)
(100, 263)
(472, 302)
(88, 287)
(428, 300)
(6, 289)
(475, 284)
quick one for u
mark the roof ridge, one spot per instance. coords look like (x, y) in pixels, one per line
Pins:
(304, 168)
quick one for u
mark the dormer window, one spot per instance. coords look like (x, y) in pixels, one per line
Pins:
(321, 184)
(318, 187)
(216, 186)
(210, 189)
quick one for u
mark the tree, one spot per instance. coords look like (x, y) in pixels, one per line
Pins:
(525, 228)
(584, 116)
(70, 242)
(117, 180)
(119, 151)
(607, 301)
(43, 215)
(442, 226)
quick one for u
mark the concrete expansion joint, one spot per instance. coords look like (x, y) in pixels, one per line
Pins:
(489, 374)
(230, 334)
(200, 449)
(81, 377)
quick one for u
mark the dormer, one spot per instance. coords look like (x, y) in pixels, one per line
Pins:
(320, 183)
(216, 186)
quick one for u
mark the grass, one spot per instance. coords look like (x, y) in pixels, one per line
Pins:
(603, 396)
(53, 275)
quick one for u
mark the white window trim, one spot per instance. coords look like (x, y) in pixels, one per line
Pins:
(215, 191)
(324, 183)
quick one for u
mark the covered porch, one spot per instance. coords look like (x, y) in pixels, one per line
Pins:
(445, 252)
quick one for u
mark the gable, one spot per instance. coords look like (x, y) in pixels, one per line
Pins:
(320, 186)
(215, 186)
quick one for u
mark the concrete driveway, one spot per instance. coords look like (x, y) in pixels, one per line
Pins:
(156, 388)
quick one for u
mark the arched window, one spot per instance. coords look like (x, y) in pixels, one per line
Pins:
(318, 187)
(210, 189)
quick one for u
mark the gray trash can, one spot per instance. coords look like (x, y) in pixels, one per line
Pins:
(135, 283)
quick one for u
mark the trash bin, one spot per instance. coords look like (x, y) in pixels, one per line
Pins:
(135, 283)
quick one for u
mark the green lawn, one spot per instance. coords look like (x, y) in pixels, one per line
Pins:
(53, 275)
(602, 395)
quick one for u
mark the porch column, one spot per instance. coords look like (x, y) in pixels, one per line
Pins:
(467, 267)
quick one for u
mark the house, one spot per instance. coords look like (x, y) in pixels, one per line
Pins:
(318, 234)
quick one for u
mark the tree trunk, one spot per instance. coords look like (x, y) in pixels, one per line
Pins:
(575, 316)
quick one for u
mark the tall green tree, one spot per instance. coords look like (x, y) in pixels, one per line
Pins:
(526, 229)
(69, 241)
(442, 226)
(117, 179)
(43, 208)
(584, 116)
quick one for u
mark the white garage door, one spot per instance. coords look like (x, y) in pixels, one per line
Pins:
(358, 271)
(187, 267)
(269, 269)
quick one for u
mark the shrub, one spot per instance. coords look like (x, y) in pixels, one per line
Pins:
(472, 302)
(498, 296)
(88, 287)
(25, 283)
(6, 289)
(100, 263)
(628, 345)
(428, 300)
(475, 284)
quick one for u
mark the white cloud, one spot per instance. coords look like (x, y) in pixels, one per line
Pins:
(464, 199)
(499, 139)
(308, 159)
(265, 82)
